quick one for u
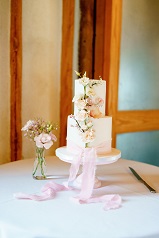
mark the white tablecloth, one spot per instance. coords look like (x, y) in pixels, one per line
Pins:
(138, 215)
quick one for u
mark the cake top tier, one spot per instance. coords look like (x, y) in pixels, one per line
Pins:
(91, 92)
(89, 103)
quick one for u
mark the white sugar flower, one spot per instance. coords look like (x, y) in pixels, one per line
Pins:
(95, 82)
(89, 124)
(78, 97)
(80, 104)
(84, 127)
(84, 81)
(43, 140)
(28, 125)
(82, 115)
(90, 92)
(88, 136)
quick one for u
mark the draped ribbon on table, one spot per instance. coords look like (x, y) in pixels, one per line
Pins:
(87, 158)
(48, 192)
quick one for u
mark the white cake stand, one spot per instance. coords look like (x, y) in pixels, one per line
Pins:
(107, 158)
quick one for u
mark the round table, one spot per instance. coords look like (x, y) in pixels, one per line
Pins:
(62, 218)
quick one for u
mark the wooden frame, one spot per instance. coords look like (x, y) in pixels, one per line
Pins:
(16, 79)
(99, 38)
(113, 9)
(123, 121)
(66, 67)
(86, 37)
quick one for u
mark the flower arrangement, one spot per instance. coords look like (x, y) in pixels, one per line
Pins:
(40, 132)
(88, 105)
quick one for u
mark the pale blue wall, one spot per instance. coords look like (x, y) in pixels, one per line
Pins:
(139, 75)
(139, 62)
(140, 146)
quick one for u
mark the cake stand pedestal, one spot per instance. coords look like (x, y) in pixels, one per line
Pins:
(107, 158)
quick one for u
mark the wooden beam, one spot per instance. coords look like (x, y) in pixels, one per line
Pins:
(140, 120)
(99, 38)
(16, 79)
(66, 67)
(86, 39)
(112, 36)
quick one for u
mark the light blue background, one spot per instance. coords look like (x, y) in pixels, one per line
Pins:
(140, 146)
(139, 56)
(139, 75)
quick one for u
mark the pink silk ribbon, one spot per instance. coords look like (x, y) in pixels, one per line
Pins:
(48, 192)
(88, 174)
(101, 149)
(86, 157)
(111, 201)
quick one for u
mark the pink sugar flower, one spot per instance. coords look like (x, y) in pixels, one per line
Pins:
(95, 112)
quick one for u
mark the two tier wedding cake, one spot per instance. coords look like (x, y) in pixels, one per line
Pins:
(89, 126)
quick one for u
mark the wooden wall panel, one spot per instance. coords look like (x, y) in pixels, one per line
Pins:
(66, 67)
(16, 79)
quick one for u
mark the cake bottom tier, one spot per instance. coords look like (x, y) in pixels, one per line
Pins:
(103, 135)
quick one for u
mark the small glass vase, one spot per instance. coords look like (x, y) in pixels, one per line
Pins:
(39, 170)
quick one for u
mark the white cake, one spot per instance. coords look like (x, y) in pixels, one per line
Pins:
(88, 126)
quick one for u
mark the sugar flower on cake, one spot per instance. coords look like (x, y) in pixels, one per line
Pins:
(84, 80)
(88, 136)
(90, 92)
(78, 97)
(79, 101)
(94, 104)
(82, 115)
(98, 101)
(81, 104)
(40, 132)
(95, 112)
